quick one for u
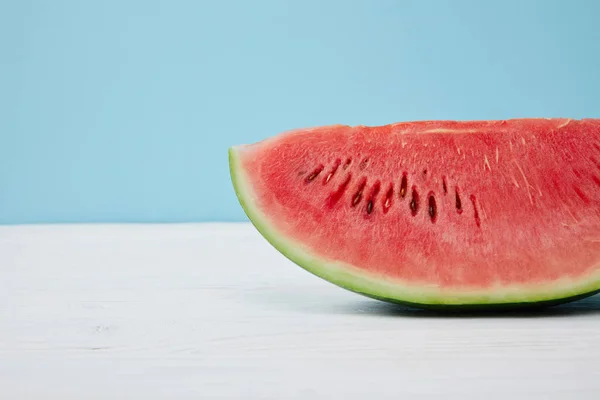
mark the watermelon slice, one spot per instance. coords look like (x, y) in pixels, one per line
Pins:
(434, 213)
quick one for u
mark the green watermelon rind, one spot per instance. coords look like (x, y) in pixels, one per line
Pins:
(394, 291)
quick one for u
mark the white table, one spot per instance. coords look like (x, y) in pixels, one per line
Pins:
(211, 311)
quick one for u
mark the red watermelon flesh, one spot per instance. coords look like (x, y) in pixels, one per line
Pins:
(434, 212)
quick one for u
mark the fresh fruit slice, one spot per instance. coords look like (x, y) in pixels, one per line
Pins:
(434, 213)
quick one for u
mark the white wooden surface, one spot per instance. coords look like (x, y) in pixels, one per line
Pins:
(213, 312)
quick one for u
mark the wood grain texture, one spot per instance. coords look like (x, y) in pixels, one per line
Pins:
(211, 311)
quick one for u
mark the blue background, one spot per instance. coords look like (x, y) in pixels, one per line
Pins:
(123, 110)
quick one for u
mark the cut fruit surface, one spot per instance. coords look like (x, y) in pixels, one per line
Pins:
(434, 213)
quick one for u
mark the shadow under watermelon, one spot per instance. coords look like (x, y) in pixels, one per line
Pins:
(322, 300)
(586, 306)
